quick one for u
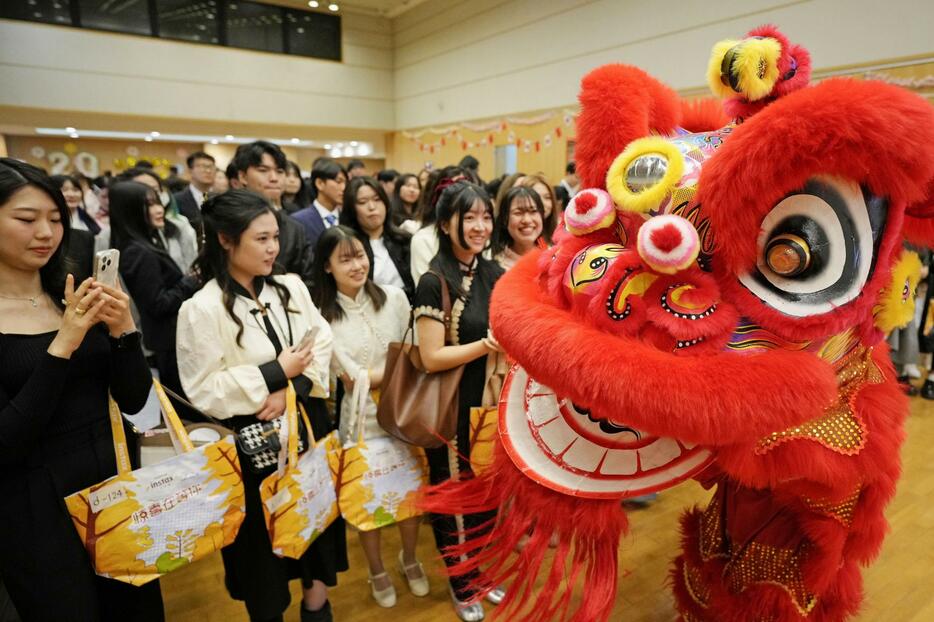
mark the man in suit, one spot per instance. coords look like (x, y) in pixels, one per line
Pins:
(201, 168)
(260, 166)
(329, 180)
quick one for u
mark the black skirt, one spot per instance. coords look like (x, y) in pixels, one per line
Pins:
(254, 574)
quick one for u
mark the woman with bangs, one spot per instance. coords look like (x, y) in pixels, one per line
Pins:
(365, 317)
(464, 226)
(518, 226)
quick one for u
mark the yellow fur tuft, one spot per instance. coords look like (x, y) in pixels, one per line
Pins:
(754, 67)
(896, 304)
(651, 197)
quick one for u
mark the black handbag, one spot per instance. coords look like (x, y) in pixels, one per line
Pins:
(259, 442)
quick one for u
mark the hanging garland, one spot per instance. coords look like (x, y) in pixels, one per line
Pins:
(494, 129)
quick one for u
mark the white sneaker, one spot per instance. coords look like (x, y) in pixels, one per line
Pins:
(496, 595)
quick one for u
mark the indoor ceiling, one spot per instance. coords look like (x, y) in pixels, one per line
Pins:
(384, 8)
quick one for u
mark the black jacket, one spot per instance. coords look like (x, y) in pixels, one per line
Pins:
(400, 253)
(158, 288)
(189, 208)
(295, 253)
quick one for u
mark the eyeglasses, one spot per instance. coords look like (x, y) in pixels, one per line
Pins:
(205, 166)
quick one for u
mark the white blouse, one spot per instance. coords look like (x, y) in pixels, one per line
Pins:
(361, 340)
(423, 248)
(384, 270)
(224, 379)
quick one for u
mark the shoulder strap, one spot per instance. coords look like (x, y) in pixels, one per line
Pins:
(445, 305)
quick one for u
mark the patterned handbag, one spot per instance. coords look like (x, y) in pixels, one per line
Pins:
(139, 525)
(260, 443)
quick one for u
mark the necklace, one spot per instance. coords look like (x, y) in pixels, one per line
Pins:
(33, 300)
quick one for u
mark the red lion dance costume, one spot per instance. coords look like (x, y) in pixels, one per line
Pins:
(715, 309)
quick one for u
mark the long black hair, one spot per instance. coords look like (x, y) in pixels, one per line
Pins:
(348, 216)
(230, 214)
(457, 198)
(501, 238)
(400, 213)
(324, 288)
(129, 217)
(16, 175)
(302, 198)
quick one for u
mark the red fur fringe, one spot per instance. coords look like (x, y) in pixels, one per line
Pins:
(587, 531)
(619, 103)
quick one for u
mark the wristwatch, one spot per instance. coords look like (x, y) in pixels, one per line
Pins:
(127, 341)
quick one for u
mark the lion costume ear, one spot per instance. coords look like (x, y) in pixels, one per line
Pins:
(619, 103)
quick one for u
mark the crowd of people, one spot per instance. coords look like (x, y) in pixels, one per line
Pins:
(220, 281)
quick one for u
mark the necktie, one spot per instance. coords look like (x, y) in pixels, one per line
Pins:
(331, 219)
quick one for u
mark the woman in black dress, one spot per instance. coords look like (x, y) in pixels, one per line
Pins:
(464, 224)
(239, 344)
(58, 362)
(153, 279)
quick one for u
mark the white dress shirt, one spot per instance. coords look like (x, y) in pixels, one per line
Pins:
(325, 212)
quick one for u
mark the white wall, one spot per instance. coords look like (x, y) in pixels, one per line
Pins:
(484, 58)
(64, 68)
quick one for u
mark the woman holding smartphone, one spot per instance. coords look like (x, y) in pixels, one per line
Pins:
(238, 347)
(64, 347)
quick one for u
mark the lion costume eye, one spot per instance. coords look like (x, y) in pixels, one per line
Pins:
(817, 247)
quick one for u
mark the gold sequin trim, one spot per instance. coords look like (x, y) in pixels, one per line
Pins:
(840, 429)
(712, 543)
(694, 584)
(841, 510)
(760, 563)
(431, 312)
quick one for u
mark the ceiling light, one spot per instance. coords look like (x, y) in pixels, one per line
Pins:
(353, 143)
(339, 145)
(214, 141)
(148, 139)
(70, 130)
(73, 134)
(295, 141)
(153, 134)
(327, 147)
(313, 4)
(229, 137)
(333, 7)
(363, 150)
(335, 153)
(349, 152)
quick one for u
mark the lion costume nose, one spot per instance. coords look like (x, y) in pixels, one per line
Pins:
(668, 243)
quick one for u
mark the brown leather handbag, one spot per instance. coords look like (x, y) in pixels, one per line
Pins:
(416, 406)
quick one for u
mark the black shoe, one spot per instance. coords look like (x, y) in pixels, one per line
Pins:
(927, 390)
(321, 615)
(910, 389)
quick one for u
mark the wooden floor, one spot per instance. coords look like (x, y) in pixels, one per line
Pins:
(899, 585)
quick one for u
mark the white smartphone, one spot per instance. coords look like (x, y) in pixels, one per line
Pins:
(106, 265)
(309, 337)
